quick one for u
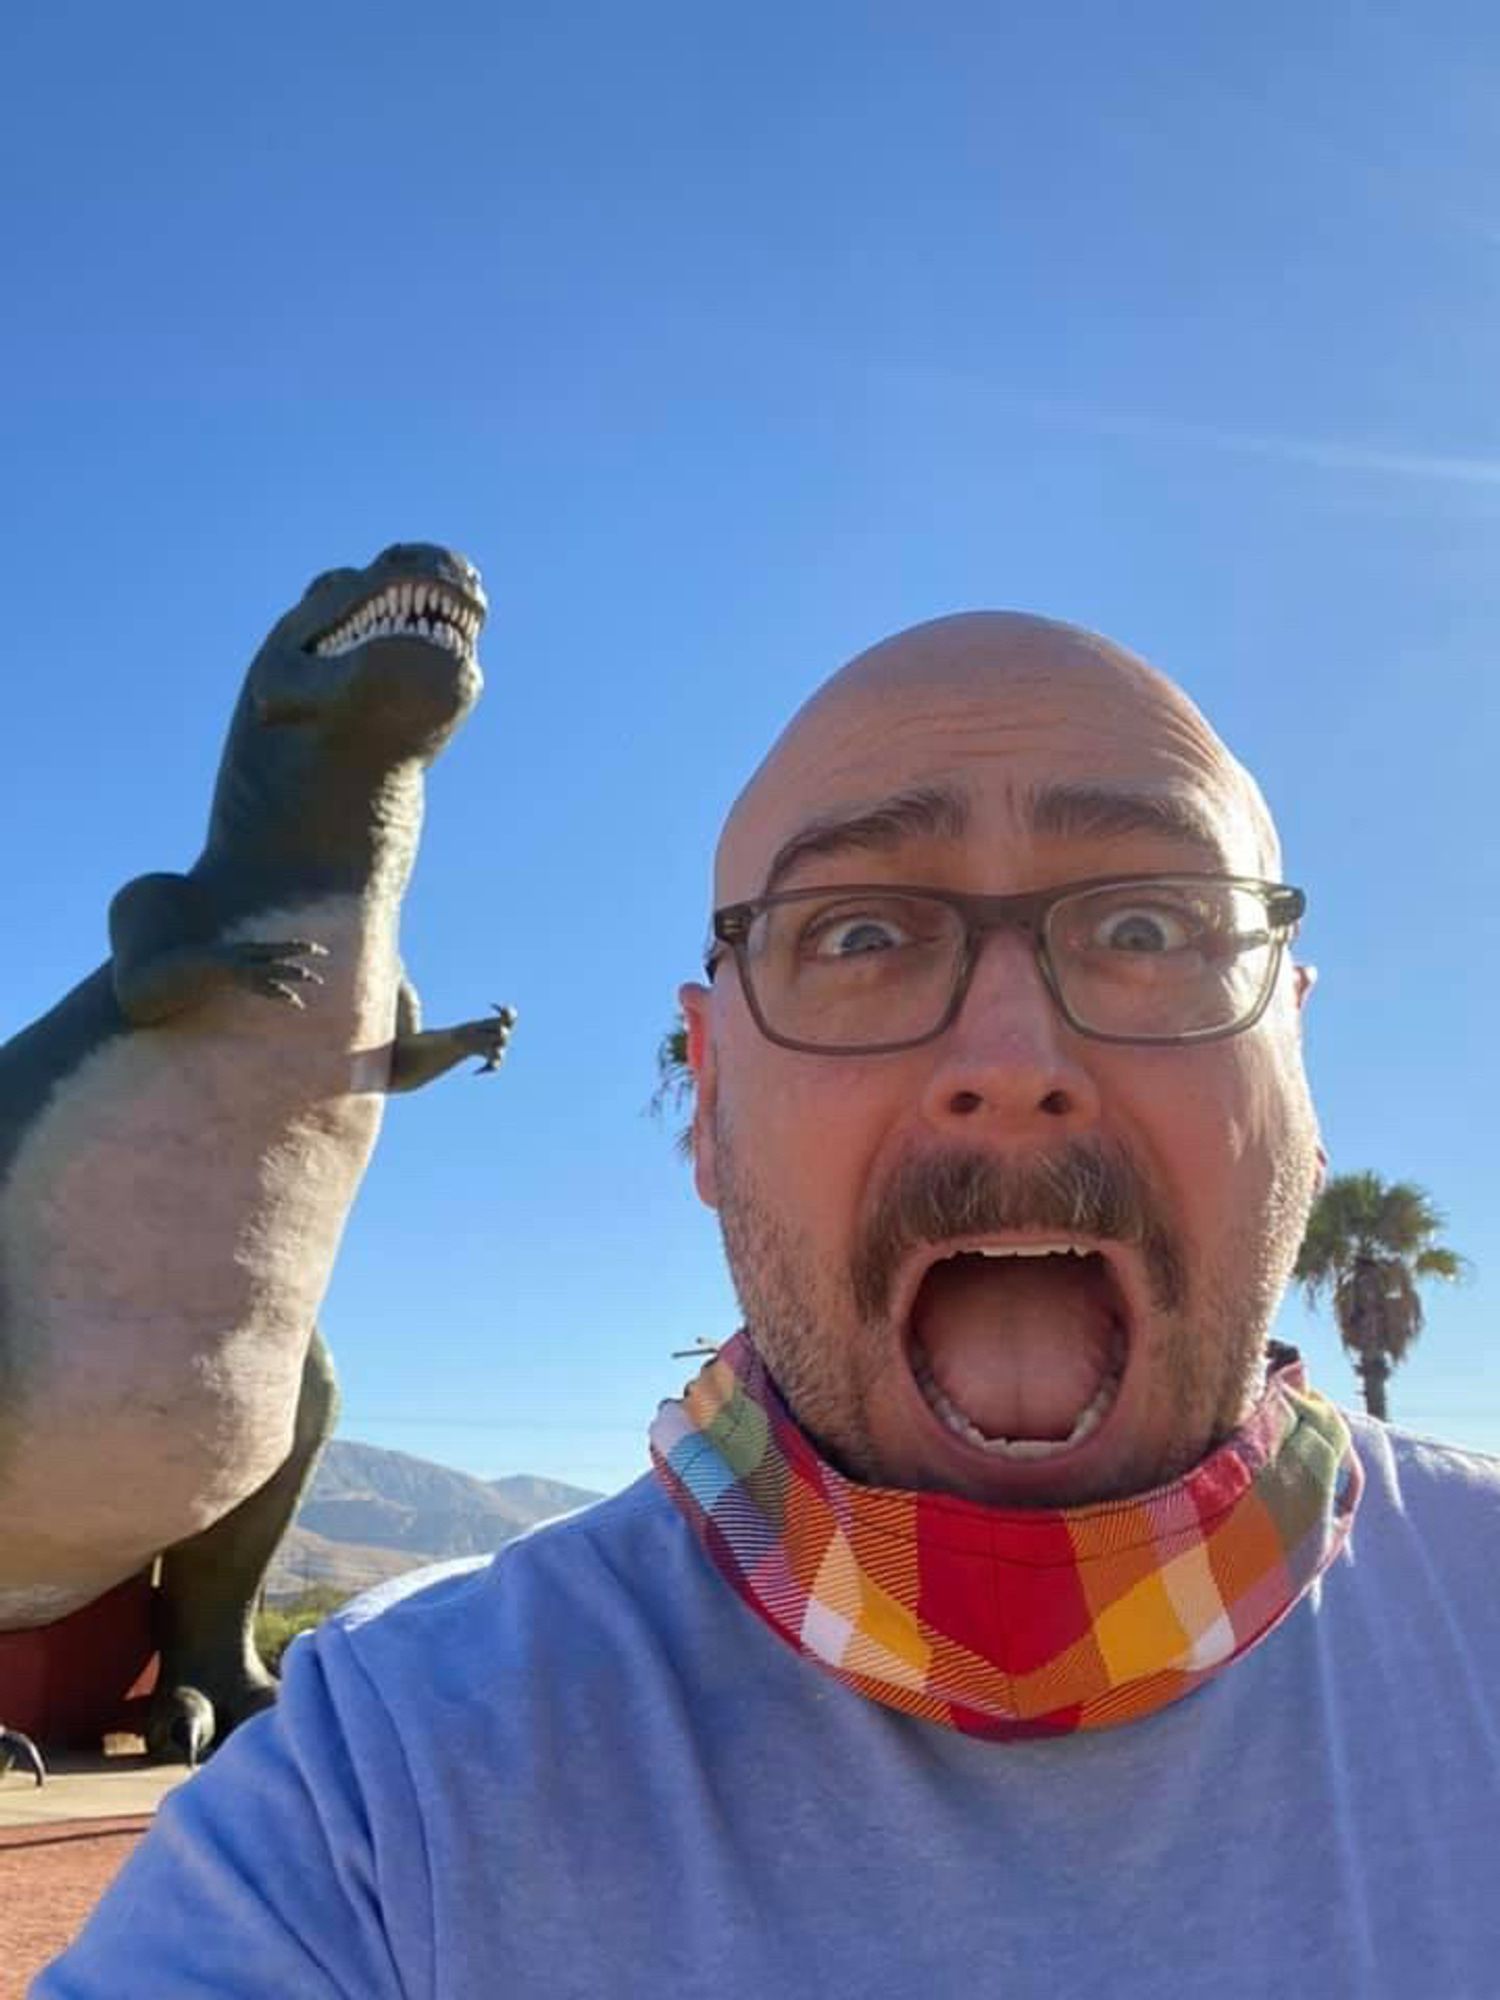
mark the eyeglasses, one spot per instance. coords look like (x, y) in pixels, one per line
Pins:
(866, 969)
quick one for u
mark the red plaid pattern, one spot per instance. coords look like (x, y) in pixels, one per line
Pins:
(1008, 1622)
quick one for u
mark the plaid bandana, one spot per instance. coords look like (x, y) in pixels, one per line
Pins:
(1006, 1622)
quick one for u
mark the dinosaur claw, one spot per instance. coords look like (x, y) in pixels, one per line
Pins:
(184, 1725)
(14, 1745)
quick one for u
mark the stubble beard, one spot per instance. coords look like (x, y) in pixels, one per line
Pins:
(801, 1315)
(828, 1338)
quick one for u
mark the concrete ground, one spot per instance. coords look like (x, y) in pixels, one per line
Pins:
(61, 1845)
(88, 1787)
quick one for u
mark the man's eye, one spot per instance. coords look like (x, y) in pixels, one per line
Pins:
(851, 934)
(1145, 928)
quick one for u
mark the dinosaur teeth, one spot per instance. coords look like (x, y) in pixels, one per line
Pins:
(421, 610)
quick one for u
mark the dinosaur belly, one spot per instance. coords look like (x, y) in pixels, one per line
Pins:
(167, 1232)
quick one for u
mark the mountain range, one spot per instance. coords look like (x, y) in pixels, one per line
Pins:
(370, 1514)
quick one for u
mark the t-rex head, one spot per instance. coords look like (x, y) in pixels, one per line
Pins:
(381, 656)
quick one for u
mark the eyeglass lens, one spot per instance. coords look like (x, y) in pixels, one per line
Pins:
(1147, 961)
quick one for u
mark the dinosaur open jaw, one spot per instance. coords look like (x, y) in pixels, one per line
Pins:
(1019, 1349)
(431, 612)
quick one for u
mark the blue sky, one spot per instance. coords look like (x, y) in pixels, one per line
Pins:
(727, 341)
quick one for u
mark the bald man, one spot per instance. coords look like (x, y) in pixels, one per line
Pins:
(1004, 1610)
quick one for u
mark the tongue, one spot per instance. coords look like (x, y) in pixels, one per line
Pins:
(1020, 1344)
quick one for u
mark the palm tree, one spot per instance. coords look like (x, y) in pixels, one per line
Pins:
(674, 1080)
(1368, 1243)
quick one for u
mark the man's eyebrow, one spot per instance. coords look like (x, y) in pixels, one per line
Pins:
(1058, 812)
(934, 811)
(1098, 812)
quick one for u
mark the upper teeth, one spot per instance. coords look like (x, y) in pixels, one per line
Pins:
(1031, 1250)
(426, 610)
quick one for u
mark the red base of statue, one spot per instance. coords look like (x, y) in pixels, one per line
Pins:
(71, 1683)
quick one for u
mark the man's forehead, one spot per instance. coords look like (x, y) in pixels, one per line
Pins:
(1000, 717)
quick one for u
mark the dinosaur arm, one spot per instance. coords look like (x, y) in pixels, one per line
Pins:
(420, 1055)
(156, 929)
(408, 1008)
(165, 958)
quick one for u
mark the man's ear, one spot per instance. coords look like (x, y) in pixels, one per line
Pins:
(696, 1003)
(1304, 979)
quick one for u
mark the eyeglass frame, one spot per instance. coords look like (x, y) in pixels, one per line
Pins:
(1025, 911)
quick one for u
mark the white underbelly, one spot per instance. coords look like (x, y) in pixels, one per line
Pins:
(167, 1233)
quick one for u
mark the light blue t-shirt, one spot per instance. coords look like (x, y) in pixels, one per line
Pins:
(585, 1770)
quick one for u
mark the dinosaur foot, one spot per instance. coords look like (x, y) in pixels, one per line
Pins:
(14, 1748)
(185, 1720)
(180, 1726)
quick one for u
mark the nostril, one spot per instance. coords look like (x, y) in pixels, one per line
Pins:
(965, 1103)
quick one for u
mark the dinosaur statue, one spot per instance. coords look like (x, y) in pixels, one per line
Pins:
(182, 1137)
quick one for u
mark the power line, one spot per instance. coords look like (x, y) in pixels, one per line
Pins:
(351, 1417)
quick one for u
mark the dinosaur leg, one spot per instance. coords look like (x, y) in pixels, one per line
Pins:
(211, 1675)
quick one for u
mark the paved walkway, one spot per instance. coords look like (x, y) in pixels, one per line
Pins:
(60, 1846)
(86, 1788)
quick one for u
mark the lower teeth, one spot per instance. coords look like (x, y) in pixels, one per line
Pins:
(1088, 1419)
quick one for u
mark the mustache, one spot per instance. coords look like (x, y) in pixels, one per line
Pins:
(1079, 1190)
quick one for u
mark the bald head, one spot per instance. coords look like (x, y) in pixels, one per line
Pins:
(991, 760)
(1063, 709)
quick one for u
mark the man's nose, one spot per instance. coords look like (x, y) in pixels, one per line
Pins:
(1010, 1061)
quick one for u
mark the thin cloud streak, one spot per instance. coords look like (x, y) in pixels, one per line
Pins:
(1328, 454)
(1348, 457)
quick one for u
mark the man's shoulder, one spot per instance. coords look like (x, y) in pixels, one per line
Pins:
(1417, 1469)
(570, 1551)
(506, 1651)
(1434, 1503)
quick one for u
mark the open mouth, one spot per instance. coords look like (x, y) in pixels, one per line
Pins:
(429, 611)
(1019, 1349)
